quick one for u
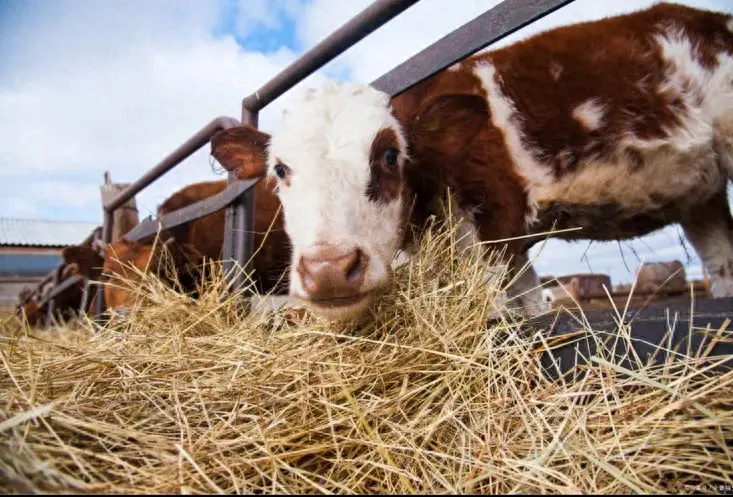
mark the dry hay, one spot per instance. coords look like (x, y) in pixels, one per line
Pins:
(422, 397)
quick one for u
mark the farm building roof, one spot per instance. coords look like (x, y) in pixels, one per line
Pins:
(44, 233)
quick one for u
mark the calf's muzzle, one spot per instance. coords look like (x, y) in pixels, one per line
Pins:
(331, 275)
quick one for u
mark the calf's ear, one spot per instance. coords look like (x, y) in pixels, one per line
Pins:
(241, 150)
(448, 123)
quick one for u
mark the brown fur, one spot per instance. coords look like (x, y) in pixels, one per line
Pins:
(385, 182)
(241, 149)
(450, 153)
(206, 235)
(192, 242)
(455, 144)
(123, 255)
(66, 303)
(202, 239)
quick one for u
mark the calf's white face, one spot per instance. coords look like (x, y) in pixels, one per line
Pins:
(338, 161)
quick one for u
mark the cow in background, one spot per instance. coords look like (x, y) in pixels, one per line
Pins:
(193, 243)
(77, 259)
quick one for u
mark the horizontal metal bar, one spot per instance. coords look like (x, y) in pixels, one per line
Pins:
(229, 195)
(68, 282)
(490, 27)
(190, 146)
(357, 28)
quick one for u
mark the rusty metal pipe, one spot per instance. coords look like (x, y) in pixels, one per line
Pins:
(239, 228)
(109, 218)
(356, 29)
(173, 159)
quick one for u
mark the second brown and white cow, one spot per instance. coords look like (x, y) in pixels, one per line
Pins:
(619, 126)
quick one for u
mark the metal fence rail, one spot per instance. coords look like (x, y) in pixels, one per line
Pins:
(490, 27)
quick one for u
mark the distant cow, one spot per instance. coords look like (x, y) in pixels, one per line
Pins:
(653, 276)
(29, 307)
(203, 238)
(206, 234)
(33, 305)
(124, 257)
(619, 126)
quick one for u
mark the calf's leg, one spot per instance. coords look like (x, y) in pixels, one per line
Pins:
(710, 231)
(526, 286)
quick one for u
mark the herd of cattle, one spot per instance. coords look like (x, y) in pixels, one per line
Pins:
(617, 127)
(121, 263)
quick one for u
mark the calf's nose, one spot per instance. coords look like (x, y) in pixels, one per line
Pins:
(328, 274)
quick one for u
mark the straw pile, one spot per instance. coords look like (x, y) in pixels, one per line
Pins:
(423, 396)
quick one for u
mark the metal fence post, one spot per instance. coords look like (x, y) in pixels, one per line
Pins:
(229, 240)
(109, 218)
(239, 228)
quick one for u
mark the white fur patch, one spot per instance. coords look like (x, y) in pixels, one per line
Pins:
(504, 116)
(589, 114)
(729, 24)
(325, 140)
(555, 71)
(706, 93)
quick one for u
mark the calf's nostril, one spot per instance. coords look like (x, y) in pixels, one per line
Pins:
(353, 275)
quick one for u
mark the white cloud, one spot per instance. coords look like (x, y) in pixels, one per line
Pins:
(121, 101)
(264, 13)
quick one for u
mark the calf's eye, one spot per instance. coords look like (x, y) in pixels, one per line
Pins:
(390, 156)
(281, 171)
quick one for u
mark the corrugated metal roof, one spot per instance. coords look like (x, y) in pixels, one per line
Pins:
(39, 232)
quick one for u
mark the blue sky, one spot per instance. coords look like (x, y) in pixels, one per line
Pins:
(89, 86)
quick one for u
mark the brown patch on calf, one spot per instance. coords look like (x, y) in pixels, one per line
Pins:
(385, 181)
(603, 220)
(451, 140)
(620, 66)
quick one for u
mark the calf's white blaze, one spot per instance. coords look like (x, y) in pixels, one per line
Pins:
(325, 141)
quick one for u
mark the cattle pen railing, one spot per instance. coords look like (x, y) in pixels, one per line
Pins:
(238, 198)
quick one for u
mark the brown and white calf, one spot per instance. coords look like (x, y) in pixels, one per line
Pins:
(619, 126)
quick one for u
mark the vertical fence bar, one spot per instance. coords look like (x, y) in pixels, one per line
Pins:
(239, 228)
(96, 234)
(109, 219)
(229, 241)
